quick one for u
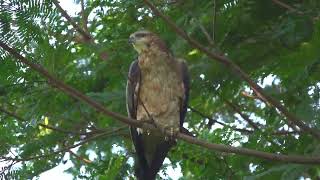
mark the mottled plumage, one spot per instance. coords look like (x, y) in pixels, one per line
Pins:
(157, 90)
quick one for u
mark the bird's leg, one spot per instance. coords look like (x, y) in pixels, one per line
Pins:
(169, 122)
(150, 121)
(146, 119)
(169, 127)
(170, 132)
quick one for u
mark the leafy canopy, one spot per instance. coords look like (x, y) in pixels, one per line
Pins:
(276, 45)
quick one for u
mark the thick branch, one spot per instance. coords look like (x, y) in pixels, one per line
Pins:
(237, 70)
(68, 89)
(204, 31)
(78, 95)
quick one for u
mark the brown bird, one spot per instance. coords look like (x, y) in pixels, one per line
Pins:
(157, 91)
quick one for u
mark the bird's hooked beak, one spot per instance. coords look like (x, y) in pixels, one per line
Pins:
(131, 40)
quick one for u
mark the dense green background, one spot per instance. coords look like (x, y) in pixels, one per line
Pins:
(263, 38)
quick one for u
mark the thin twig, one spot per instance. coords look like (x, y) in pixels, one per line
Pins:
(85, 160)
(283, 132)
(290, 123)
(255, 126)
(246, 131)
(236, 69)
(86, 35)
(19, 118)
(245, 94)
(284, 5)
(84, 17)
(204, 31)
(67, 148)
(206, 117)
(63, 130)
(12, 114)
(236, 108)
(214, 21)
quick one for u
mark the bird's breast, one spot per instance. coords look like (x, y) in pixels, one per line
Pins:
(160, 87)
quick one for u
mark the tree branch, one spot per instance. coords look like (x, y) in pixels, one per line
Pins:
(86, 35)
(237, 70)
(80, 96)
(68, 89)
(245, 94)
(244, 116)
(85, 160)
(214, 21)
(246, 131)
(66, 148)
(84, 17)
(204, 31)
(212, 121)
(19, 118)
(250, 152)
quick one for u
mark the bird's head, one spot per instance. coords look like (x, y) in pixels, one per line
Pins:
(143, 40)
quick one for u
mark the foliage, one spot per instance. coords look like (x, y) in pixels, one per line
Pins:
(268, 41)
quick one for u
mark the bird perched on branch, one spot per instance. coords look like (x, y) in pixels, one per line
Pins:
(157, 91)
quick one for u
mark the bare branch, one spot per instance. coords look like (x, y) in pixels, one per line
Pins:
(237, 70)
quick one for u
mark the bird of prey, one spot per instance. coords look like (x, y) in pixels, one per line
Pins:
(157, 91)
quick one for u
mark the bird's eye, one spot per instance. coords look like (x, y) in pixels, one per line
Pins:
(141, 35)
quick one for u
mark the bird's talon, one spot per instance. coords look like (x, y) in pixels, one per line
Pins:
(166, 138)
(170, 133)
